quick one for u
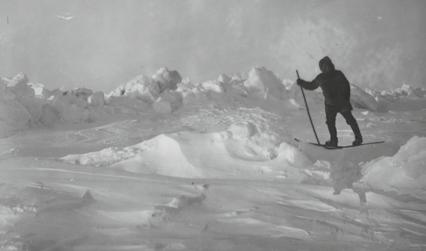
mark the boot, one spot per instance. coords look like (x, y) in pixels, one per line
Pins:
(357, 141)
(357, 133)
(331, 143)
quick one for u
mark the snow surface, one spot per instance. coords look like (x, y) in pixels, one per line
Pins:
(162, 163)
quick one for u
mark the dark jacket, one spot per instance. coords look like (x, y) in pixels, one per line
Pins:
(335, 88)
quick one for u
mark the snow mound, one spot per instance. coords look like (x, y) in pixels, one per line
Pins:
(201, 94)
(25, 94)
(13, 115)
(71, 106)
(249, 141)
(140, 87)
(161, 155)
(404, 172)
(147, 88)
(158, 92)
(361, 99)
(262, 82)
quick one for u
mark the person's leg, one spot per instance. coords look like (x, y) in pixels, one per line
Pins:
(330, 114)
(354, 125)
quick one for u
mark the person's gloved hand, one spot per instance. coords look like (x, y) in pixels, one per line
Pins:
(299, 81)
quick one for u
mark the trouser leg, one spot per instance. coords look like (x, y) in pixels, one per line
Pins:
(330, 115)
(352, 123)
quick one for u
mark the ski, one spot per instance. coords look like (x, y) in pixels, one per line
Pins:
(339, 147)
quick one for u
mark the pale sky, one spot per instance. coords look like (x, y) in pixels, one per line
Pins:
(102, 43)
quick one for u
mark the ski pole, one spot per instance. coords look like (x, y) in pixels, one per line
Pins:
(307, 109)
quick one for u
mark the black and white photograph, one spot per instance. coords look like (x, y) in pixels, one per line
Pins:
(213, 125)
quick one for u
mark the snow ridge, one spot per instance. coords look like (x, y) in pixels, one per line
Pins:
(26, 104)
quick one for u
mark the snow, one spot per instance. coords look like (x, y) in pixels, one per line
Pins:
(191, 155)
(96, 99)
(140, 87)
(223, 78)
(166, 79)
(168, 102)
(261, 82)
(406, 90)
(361, 99)
(49, 115)
(403, 172)
(18, 82)
(14, 116)
(164, 163)
(39, 90)
(214, 86)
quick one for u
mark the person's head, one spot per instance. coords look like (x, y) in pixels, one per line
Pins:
(326, 65)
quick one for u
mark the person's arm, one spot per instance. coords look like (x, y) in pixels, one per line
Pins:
(309, 85)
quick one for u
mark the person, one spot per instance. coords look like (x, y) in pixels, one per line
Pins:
(336, 90)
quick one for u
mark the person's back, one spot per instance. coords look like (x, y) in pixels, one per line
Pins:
(336, 89)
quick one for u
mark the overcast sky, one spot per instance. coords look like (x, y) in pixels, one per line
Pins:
(103, 43)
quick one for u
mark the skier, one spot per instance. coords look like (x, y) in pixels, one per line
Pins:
(336, 90)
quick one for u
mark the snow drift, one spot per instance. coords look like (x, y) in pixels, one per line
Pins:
(405, 172)
(161, 155)
(193, 155)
